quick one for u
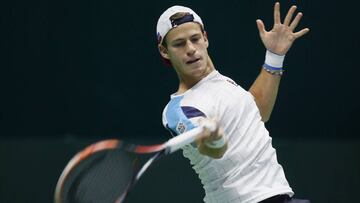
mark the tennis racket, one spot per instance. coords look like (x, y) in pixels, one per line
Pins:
(106, 171)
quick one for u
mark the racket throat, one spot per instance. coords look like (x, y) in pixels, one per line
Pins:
(148, 164)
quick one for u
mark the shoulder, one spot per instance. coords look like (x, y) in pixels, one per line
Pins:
(220, 88)
(218, 83)
(164, 120)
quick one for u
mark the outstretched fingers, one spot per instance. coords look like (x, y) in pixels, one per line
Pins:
(301, 32)
(296, 21)
(277, 13)
(289, 15)
(261, 27)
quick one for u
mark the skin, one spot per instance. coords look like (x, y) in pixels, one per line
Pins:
(278, 40)
(186, 44)
(187, 50)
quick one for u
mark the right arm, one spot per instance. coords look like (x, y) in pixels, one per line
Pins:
(205, 143)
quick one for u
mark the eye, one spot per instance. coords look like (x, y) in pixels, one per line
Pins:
(179, 44)
(195, 39)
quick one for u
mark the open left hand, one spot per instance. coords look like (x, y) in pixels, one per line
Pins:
(282, 36)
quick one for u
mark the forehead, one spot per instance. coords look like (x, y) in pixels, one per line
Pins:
(184, 31)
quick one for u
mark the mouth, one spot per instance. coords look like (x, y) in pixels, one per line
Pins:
(193, 61)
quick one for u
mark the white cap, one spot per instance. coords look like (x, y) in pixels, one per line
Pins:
(164, 24)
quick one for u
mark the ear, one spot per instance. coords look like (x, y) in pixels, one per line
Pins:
(206, 39)
(163, 51)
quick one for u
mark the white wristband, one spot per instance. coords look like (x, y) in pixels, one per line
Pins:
(274, 60)
(216, 144)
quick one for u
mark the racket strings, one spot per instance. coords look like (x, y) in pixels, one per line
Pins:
(107, 177)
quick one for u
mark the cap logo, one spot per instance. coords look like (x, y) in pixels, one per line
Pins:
(185, 19)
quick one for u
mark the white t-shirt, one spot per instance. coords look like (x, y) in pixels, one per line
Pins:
(249, 171)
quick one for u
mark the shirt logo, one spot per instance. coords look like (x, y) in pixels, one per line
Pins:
(181, 128)
(232, 82)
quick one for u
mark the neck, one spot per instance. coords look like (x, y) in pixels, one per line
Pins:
(188, 82)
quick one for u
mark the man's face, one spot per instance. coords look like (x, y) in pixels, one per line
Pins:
(187, 50)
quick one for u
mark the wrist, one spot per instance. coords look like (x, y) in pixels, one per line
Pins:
(216, 144)
(274, 63)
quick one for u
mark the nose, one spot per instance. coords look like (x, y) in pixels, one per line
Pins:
(190, 48)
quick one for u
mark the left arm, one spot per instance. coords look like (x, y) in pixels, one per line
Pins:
(264, 90)
(278, 41)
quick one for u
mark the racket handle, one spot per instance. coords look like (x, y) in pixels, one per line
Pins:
(188, 137)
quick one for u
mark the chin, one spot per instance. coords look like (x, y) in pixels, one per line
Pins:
(199, 71)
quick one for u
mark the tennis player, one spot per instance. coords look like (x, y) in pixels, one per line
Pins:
(237, 163)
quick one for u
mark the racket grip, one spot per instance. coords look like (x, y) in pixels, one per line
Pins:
(188, 137)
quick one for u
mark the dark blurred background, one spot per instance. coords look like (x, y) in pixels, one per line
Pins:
(74, 72)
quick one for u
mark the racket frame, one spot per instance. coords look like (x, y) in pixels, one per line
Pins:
(166, 148)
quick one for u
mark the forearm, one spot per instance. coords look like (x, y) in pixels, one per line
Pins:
(265, 90)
